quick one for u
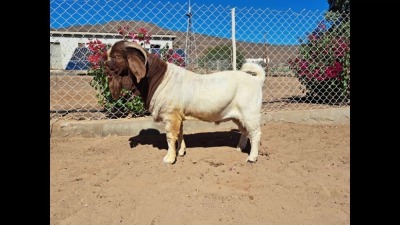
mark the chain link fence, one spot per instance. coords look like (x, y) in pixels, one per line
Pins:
(306, 54)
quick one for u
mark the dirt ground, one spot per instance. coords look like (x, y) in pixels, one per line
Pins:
(304, 179)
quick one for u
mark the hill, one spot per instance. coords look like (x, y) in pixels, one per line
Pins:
(278, 54)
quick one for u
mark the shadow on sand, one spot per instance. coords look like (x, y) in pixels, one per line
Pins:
(203, 140)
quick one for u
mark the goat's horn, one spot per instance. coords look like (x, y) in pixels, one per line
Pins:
(138, 47)
(108, 54)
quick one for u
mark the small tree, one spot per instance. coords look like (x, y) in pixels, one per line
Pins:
(169, 55)
(339, 5)
(323, 65)
(220, 58)
(128, 102)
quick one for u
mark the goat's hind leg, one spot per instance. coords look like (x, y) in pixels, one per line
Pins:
(181, 142)
(255, 137)
(254, 129)
(243, 135)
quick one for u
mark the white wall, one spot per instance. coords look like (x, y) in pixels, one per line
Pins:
(68, 45)
(55, 56)
(258, 60)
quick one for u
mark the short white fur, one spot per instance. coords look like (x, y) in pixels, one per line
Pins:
(218, 97)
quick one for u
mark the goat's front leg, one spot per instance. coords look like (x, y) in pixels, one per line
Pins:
(172, 127)
(181, 142)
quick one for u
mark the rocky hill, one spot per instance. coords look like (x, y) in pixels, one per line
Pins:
(278, 54)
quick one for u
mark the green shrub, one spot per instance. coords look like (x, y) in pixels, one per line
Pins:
(127, 103)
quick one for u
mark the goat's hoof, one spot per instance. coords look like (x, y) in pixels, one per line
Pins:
(169, 159)
(182, 152)
(251, 159)
(241, 147)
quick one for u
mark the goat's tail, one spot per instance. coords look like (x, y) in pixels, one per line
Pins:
(255, 70)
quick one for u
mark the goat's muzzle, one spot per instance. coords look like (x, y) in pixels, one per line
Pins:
(109, 68)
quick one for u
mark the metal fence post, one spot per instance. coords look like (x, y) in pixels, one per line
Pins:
(233, 40)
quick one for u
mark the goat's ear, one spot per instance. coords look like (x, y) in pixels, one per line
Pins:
(136, 66)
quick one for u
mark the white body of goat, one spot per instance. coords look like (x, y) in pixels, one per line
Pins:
(217, 97)
(173, 93)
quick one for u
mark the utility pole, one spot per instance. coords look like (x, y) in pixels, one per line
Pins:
(265, 53)
(190, 44)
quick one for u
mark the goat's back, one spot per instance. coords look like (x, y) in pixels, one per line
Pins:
(209, 96)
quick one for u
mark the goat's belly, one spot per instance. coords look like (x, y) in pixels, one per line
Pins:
(212, 114)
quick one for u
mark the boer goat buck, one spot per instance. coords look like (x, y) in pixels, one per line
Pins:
(172, 93)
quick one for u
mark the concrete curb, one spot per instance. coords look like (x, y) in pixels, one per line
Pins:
(132, 127)
(315, 116)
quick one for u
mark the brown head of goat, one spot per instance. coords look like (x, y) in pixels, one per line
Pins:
(131, 67)
(120, 66)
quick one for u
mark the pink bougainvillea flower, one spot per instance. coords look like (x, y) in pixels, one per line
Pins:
(334, 70)
(340, 47)
(96, 46)
(176, 56)
(132, 35)
(330, 72)
(93, 58)
(121, 30)
(147, 40)
(316, 74)
(322, 25)
(143, 35)
(99, 53)
(142, 31)
(303, 65)
(312, 37)
(304, 73)
(338, 66)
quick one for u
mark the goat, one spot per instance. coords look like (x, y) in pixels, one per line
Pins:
(172, 93)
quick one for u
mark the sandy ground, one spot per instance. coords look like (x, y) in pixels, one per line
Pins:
(304, 179)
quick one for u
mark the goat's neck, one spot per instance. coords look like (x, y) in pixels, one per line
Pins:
(156, 69)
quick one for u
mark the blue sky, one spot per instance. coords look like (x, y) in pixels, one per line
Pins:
(282, 21)
(296, 5)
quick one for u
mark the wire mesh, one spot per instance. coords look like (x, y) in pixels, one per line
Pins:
(306, 54)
